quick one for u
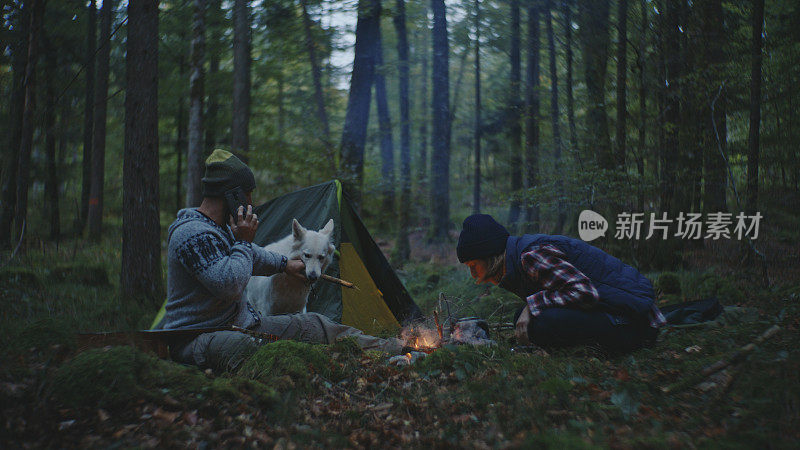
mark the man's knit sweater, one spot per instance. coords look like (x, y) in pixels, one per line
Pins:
(207, 272)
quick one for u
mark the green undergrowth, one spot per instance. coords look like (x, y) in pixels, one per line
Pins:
(287, 364)
(425, 281)
(335, 396)
(687, 285)
(116, 376)
(573, 397)
(291, 365)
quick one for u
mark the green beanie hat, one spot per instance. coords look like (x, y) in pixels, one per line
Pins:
(224, 171)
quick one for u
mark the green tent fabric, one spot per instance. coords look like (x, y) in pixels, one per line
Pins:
(381, 302)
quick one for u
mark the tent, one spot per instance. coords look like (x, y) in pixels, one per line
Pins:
(381, 302)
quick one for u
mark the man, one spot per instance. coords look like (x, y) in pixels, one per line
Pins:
(210, 260)
(575, 293)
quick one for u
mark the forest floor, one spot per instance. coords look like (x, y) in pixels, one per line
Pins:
(292, 395)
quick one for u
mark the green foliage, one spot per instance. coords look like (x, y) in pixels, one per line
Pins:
(287, 364)
(90, 275)
(700, 285)
(347, 347)
(463, 361)
(19, 277)
(118, 376)
(45, 333)
(556, 440)
(668, 283)
(425, 281)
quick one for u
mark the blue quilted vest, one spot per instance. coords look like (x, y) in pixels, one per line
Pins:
(622, 289)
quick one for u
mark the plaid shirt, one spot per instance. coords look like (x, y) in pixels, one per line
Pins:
(563, 284)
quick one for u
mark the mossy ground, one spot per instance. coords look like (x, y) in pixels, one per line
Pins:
(54, 394)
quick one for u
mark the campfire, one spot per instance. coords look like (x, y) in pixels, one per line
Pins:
(421, 339)
(426, 337)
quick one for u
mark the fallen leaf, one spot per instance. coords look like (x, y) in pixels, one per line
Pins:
(191, 417)
(165, 416)
(103, 415)
(382, 406)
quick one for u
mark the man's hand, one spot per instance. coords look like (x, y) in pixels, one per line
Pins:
(296, 268)
(522, 326)
(244, 229)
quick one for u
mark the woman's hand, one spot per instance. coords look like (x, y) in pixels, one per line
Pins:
(522, 326)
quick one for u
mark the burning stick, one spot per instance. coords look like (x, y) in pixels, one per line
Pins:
(339, 281)
(438, 325)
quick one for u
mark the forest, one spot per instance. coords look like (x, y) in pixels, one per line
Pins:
(668, 124)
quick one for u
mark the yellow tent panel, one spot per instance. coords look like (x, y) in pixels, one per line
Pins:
(359, 306)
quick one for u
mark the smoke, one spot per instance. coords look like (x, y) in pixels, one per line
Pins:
(471, 332)
(418, 336)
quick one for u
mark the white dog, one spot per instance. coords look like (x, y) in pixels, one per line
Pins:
(282, 293)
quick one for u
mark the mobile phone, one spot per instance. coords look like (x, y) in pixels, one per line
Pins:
(235, 198)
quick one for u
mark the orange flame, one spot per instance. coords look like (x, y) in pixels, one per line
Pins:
(421, 338)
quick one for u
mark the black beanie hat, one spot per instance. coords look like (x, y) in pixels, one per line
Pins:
(481, 236)
(224, 171)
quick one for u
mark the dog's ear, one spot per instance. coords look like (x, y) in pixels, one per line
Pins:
(297, 230)
(328, 228)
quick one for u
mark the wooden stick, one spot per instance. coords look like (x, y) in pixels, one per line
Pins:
(438, 325)
(735, 358)
(738, 356)
(339, 281)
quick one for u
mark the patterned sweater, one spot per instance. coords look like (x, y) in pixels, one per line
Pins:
(207, 271)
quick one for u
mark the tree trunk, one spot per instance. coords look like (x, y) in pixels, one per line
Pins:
(554, 117)
(63, 141)
(141, 241)
(573, 136)
(476, 186)
(594, 37)
(180, 143)
(714, 170)
(385, 129)
(88, 117)
(672, 111)
(214, 29)
(281, 109)
(644, 24)
(357, 116)
(51, 181)
(100, 111)
(440, 162)
(573, 139)
(196, 149)
(755, 107)
(423, 121)
(403, 249)
(532, 213)
(622, 75)
(462, 63)
(26, 140)
(515, 130)
(240, 135)
(319, 96)
(17, 103)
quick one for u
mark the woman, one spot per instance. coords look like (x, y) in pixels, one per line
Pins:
(576, 294)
